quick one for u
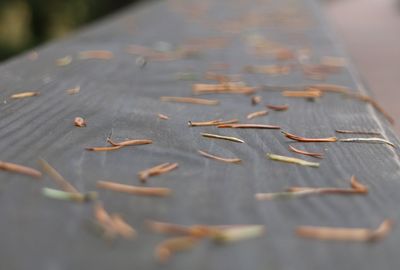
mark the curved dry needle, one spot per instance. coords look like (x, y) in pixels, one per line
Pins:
(368, 140)
(292, 160)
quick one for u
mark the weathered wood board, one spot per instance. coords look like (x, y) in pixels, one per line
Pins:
(118, 95)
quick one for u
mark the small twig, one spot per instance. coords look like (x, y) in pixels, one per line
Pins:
(358, 132)
(256, 126)
(104, 221)
(198, 231)
(199, 101)
(123, 228)
(211, 123)
(156, 170)
(145, 191)
(96, 54)
(24, 95)
(283, 107)
(228, 160)
(257, 114)
(346, 234)
(16, 168)
(79, 122)
(368, 140)
(304, 139)
(57, 177)
(215, 136)
(292, 160)
(311, 154)
(256, 100)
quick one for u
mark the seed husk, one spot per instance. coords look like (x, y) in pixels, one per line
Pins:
(292, 160)
(134, 190)
(227, 160)
(79, 122)
(256, 100)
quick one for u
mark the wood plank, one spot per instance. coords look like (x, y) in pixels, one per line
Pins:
(118, 95)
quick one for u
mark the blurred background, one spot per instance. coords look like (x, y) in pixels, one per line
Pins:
(27, 23)
(369, 29)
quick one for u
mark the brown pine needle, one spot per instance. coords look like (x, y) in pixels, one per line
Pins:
(74, 90)
(283, 107)
(292, 160)
(302, 94)
(104, 221)
(129, 142)
(79, 122)
(346, 234)
(57, 177)
(256, 126)
(223, 88)
(96, 54)
(343, 131)
(198, 231)
(135, 190)
(311, 154)
(228, 160)
(303, 139)
(215, 136)
(295, 192)
(257, 114)
(331, 88)
(16, 168)
(169, 247)
(156, 170)
(103, 148)
(163, 116)
(211, 123)
(198, 101)
(269, 69)
(24, 95)
(122, 228)
(256, 100)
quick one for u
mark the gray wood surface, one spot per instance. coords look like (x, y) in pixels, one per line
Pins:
(39, 233)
